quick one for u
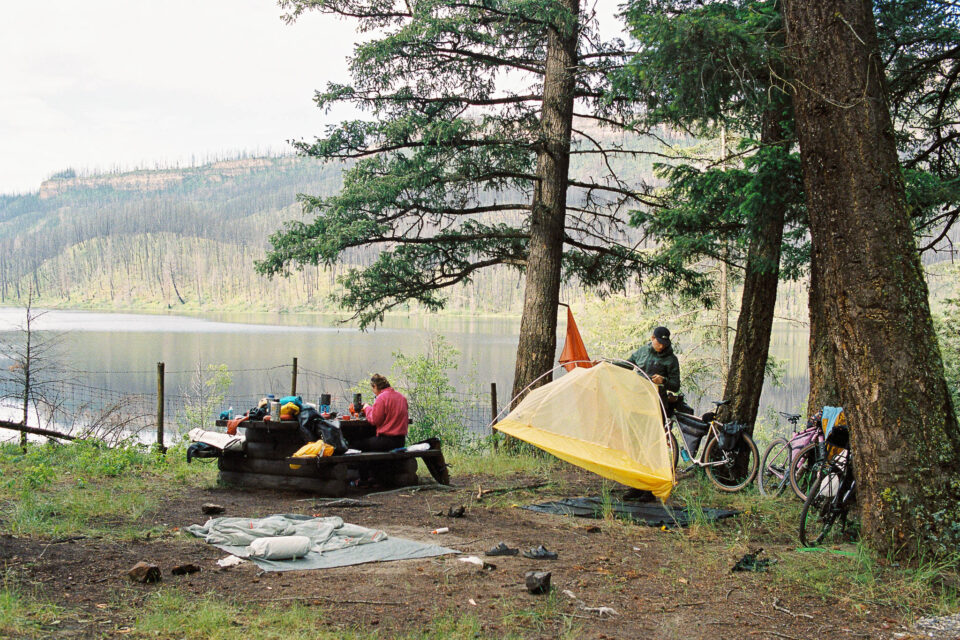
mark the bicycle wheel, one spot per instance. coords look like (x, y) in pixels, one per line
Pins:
(820, 509)
(774, 475)
(674, 449)
(803, 470)
(736, 469)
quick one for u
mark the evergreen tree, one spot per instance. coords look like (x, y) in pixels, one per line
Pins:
(706, 66)
(476, 108)
(905, 436)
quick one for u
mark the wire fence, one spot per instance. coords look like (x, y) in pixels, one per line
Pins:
(114, 405)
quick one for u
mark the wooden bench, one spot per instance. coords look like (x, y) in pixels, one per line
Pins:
(266, 463)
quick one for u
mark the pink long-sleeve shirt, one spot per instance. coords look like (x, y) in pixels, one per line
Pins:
(389, 413)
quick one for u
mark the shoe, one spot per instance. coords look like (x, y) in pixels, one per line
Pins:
(540, 553)
(502, 550)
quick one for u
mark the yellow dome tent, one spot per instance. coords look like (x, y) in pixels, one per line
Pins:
(606, 419)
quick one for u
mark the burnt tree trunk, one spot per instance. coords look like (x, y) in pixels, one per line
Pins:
(751, 346)
(890, 378)
(538, 326)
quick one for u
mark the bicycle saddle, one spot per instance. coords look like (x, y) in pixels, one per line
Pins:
(721, 403)
(791, 417)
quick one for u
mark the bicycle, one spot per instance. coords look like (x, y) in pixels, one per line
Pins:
(831, 496)
(781, 455)
(811, 458)
(721, 457)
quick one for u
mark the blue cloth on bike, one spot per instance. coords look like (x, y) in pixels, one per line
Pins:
(830, 415)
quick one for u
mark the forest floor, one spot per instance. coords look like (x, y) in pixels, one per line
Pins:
(65, 559)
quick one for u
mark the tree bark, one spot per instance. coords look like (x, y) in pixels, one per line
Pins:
(890, 378)
(822, 358)
(538, 325)
(751, 346)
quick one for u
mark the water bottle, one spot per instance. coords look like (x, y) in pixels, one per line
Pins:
(684, 455)
(230, 413)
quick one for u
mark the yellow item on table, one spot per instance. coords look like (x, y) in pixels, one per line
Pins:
(318, 449)
(289, 409)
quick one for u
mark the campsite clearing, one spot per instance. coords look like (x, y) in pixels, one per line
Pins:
(661, 584)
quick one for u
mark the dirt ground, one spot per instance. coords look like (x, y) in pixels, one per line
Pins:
(658, 585)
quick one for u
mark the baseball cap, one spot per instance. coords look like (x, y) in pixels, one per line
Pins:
(662, 334)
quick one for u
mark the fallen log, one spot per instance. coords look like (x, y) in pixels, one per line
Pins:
(37, 431)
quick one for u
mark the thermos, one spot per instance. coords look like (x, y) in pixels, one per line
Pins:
(358, 403)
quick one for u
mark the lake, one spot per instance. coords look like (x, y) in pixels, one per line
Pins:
(111, 355)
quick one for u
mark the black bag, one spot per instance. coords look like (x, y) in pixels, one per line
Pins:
(333, 436)
(730, 434)
(691, 425)
(202, 450)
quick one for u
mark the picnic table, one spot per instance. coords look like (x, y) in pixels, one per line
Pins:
(267, 460)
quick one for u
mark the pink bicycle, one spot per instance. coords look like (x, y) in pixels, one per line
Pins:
(782, 454)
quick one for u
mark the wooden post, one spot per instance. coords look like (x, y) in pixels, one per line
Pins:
(162, 448)
(493, 415)
(293, 379)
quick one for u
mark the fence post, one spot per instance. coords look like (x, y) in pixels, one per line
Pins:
(162, 448)
(293, 379)
(493, 414)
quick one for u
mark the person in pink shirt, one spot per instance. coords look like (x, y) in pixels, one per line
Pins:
(389, 414)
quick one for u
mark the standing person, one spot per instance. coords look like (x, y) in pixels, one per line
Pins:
(661, 365)
(389, 414)
(658, 361)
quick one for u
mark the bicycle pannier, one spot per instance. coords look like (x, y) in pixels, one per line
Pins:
(729, 435)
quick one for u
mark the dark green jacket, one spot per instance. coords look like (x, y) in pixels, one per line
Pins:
(664, 364)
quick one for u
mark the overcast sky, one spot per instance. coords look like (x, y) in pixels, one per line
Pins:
(104, 84)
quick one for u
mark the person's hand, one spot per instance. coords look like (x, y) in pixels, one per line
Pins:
(657, 379)
(365, 406)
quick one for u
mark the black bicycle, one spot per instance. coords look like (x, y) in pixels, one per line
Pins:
(830, 500)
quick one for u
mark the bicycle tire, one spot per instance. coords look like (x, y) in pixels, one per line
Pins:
(803, 470)
(820, 512)
(725, 477)
(774, 474)
(674, 449)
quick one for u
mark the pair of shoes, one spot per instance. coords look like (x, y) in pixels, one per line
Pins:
(502, 550)
(540, 553)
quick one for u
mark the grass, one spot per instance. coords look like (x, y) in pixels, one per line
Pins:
(487, 463)
(86, 488)
(23, 615)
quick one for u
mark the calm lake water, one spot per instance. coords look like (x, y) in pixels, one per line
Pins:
(117, 352)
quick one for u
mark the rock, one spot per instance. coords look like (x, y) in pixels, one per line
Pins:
(538, 581)
(211, 509)
(145, 572)
(184, 569)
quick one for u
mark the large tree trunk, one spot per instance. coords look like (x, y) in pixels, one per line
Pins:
(538, 326)
(751, 346)
(822, 358)
(890, 379)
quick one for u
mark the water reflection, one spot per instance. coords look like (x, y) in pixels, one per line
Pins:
(119, 351)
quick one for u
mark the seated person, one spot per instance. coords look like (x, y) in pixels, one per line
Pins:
(388, 414)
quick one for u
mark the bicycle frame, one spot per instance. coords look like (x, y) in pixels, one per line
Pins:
(696, 461)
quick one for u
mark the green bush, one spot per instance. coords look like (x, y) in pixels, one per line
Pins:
(435, 408)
